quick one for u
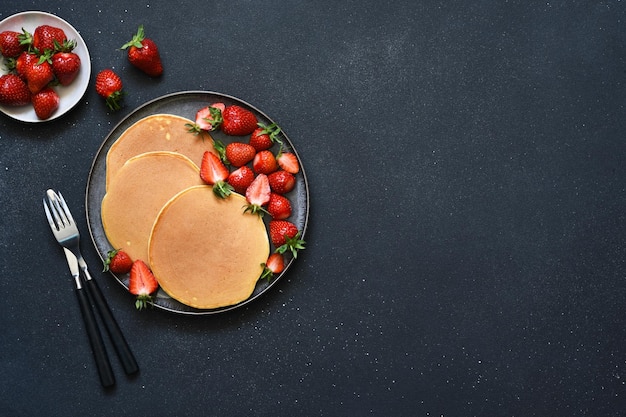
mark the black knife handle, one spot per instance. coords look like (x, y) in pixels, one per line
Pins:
(115, 333)
(95, 340)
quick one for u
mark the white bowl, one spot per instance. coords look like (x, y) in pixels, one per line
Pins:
(70, 95)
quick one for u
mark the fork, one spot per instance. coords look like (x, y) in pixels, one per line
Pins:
(66, 233)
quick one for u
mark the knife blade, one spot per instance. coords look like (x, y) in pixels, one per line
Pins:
(107, 379)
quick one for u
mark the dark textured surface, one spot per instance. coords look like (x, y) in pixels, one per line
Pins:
(466, 237)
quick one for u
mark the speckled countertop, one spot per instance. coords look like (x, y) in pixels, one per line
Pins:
(466, 238)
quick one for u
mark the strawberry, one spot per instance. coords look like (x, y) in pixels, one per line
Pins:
(24, 61)
(275, 264)
(38, 75)
(239, 154)
(10, 44)
(258, 195)
(118, 262)
(143, 53)
(240, 179)
(65, 66)
(279, 207)
(214, 172)
(142, 283)
(238, 121)
(13, 91)
(45, 102)
(109, 86)
(288, 161)
(285, 236)
(264, 162)
(48, 38)
(264, 136)
(281, 182)
(207, 118)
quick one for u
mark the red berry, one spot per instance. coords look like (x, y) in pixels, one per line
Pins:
(65, 66)
(264, 162)
(144, 54)
(281, 182)
(279, 207)
(10, 44)
(142, 283)
(258, 194)
(118, 262)
(238, 121)
(13, 91)
(239, 154)
(288, 161)
(109, 86)
(45, 103)
(241, 178)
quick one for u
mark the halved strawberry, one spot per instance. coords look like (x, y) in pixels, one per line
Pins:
(241, 178)
(214, 172)
(239, 154)
(206, 118)
(279, 207)
(285, 236)
(142, 283)
(275, 264)
(281, 182)
(118, 262)
(288, 161)
(258, 195)
(264, 162)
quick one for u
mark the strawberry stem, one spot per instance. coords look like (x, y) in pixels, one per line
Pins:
(222, 189)
(293, 244)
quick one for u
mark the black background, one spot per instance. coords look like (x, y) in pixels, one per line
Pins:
(466, 251)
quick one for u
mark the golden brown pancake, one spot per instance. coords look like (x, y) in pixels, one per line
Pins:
(205, 251)
(158, 132)
(138, 192)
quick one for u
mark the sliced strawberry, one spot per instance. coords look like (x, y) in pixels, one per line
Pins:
(118, 262)
(241, 178)
(285, 236)
(288, 161)
(238, 121)
(258, 195)
(45, 103)
(214, 172)
(142, 283)
(239, 154)
(281, 182)
(274, 265)
(279, 207)
(264, 162)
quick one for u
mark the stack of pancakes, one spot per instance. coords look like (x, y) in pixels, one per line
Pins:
(204, 251)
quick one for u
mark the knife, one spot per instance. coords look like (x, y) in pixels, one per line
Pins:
(107, 379)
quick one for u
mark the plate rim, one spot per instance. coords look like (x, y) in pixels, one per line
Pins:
(135, 113)
(29, 115)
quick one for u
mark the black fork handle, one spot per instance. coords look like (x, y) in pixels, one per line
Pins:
(129, 363)
(107, 379)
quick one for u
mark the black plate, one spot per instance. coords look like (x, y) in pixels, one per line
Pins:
(186, 104)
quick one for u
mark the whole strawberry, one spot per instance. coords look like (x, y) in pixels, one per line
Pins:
(13, 91)
(10, 44)
(264, 162)
(143, 53)
(239, 154)
(281, 182)
(285, 236)
(109, 85)
(264, 136)
(24, 61)
(38, 75)
(48, 38)
(65, 66)
(279, 207)
(241, 178)
(237, 121)
(118, 262)
(45, 103)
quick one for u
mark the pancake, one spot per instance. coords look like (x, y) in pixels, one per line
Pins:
(158, 132)
(205, 251)
(138, 192)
